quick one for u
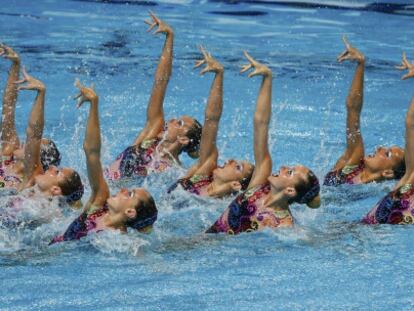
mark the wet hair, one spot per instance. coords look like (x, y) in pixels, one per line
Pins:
(146, 212)
(49, 154)
(246, 180)
(307, 190)
(72, 188)
(194, 136)
(399, 169)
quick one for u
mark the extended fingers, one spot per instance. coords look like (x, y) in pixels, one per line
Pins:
(244, 68)
(78, 83)
(405, 61)
(346, 42)
(25, 74)
(206, 69)
(154, 17)
(151, 27)
(253, 73)
(204, 52)
(408, 75)
(249, 58)
(199, 63)
(20, 81)
(343, 56)
(23, 87)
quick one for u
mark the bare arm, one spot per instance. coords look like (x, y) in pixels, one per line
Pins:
(409, 129)
(34, 131)
(262, 115)
(208, 149)
(355, 146)
(92, 148)
(155, 110)
(9, 138)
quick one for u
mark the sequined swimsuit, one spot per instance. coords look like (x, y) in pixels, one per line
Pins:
(396, 208)
(243, 214)
(196, 184)
(349, 174)
(137, 161)
(7, 180)
(82, 225)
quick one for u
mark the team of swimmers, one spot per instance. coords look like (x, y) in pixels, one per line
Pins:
(261, 198)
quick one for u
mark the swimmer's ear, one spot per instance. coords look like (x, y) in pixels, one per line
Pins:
(315, 203)
(235, 186)
(183, 140)
(388, 174)
(131, 213)
(290, 192)
(56, 190)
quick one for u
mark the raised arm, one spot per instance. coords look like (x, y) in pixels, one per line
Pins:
(262, 115)
(354, 143)
(409, 128)
(34, 131)
(155, 110)
(9, 138)
(92, 147)
(208, 149)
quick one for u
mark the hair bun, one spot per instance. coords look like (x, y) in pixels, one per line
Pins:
(315, 202)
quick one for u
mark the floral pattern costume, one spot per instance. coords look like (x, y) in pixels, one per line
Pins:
(244, 214)
(195, 184)
(82, 225)
(396, 208)
(349, 174)
(7, 180)
(137, 161)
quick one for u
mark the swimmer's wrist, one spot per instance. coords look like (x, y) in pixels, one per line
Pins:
(15, 61)
(94, 100)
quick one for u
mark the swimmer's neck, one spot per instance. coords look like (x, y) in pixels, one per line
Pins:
(367, 176)
(218, 189)
(276, 201)
(169, 149)
(111, 221)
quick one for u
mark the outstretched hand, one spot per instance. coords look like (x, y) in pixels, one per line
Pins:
(8, 53)
(350, 53)
(259, 69)
(31, 83)
(405, 64)
(212, 65)
(155, 21)
(86, 94)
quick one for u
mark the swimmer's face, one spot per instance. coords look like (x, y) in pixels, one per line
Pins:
(233, 170)
(50, 180)
(125, 201)
(288, 177)
(384, 159)
(176, 128)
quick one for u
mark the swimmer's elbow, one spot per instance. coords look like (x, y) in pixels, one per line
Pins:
(89, 149)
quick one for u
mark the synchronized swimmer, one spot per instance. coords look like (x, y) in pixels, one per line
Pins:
(260, 198)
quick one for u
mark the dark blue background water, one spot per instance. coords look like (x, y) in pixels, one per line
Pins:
(327, 262)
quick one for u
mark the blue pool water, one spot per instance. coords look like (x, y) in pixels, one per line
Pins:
(327, 262)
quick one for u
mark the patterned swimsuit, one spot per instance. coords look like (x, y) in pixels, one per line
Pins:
(6, 180)
(82, 225)
(137, 161)
(396, 208)
(195, 184)
(349, 174)
(243, 214)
